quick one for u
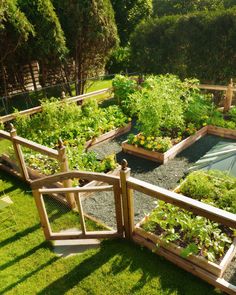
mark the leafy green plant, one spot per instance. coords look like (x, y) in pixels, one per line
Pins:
(195, 234)
(160, 109)
(123, 86)
(74, 125)
(232, 114)
(199, 109)
(41, 163)
(212, 187)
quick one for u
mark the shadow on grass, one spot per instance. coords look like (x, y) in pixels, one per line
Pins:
(42, 266)
(29, 230)
(8, 190)
(20, 235)
(25, 255)
(126, 256)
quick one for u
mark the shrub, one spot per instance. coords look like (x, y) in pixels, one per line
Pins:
(213, 187)
(188, 46)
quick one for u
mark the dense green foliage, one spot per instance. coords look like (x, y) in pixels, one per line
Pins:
(74, 125)
(160, 105)
(15, 29)
(213, 187)
(91, 33)
(198, 45)
(128, 14)
(164, 105)
(196, 234)
(167, 109)
(122, 87)
(168, 7)
(56, 33)
(49, 41)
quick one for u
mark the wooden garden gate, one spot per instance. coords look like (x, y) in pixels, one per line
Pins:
(43, 186)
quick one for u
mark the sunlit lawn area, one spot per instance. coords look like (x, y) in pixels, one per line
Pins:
(29, 266)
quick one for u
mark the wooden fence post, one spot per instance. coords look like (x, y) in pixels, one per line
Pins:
(19, 154)
(64, 167)
(127, 200)
(228, 96)
(42, 213)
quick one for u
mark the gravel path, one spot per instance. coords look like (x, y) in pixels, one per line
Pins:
(101, 205)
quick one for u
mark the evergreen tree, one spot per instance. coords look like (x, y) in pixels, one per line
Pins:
(91, 34)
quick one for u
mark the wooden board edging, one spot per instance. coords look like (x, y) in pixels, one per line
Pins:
(214, 268)
(222, 132)
(170, 154)
(188, 266)
(108, 135)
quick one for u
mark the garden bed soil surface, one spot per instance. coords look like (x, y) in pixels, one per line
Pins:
(167, 176)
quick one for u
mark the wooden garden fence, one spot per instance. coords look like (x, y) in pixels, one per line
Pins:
(24, 172)
(124, 187)
(78, 98)
(229, 90)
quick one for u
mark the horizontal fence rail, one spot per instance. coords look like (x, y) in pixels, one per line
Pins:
(197, 207)
(215, 87)
(77, 189)
(30, 144)
(38, 109)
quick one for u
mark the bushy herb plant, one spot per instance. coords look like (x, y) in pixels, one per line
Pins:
(123, 87)
(213, 187)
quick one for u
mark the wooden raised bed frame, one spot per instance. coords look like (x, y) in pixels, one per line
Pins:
(212, 267)
(109, 135)
(179, 147)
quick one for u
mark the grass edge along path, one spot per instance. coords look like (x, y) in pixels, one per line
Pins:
(29, 266)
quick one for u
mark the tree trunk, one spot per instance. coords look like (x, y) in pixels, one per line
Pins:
(66, 81)
(4, 81)
(32, 75)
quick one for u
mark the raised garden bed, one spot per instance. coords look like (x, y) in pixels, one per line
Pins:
(214, 268)
(179, 147)
(108, 136)
(171, 231)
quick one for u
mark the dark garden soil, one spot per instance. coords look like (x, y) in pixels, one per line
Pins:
(102, 205)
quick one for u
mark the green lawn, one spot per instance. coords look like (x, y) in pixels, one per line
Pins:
(100, 84)
(29, 266)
